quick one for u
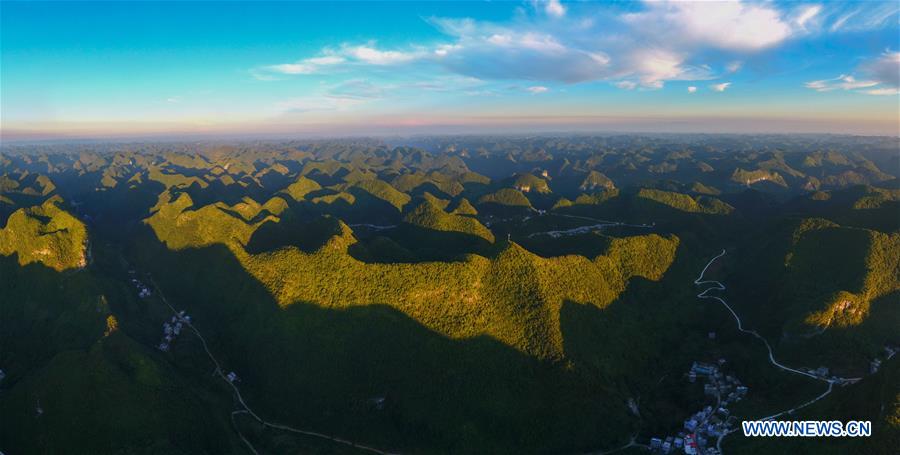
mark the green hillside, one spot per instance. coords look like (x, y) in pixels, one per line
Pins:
(46, 234)
(429, 216)
(430, 292)
(684, 202)
(435, 295)
(505, 197)
(841, 281)
(596, 180)
(527, 183)
(301, 187)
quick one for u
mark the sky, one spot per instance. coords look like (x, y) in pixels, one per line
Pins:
(134, 69)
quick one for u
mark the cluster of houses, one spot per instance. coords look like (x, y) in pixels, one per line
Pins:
(574, 231)
(674, 444)
(172, 328)
(143, 291)
(710, 422)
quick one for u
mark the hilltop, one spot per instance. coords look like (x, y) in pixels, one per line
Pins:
(46, 234)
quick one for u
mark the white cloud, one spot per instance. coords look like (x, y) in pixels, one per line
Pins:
(885, 69)
(528, 40)
(306, 66)
(626, 85)
(882, 77)
(665, 41)
(325, 60)
(371, 55)
(173, 99)
(554, 8)
(842, 82)
(839, 23)
(873, 16)
(333, 59)
(443, 49)
(729, 25)
(653, 67)
(720, 87)
(692, 89)
(293, 68)
(537, 89)
(882, 91)
(489, 51)
(806, 14)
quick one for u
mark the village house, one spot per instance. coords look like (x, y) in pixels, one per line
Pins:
(690, 445)
(705, 369)
(666, 447)
(690, 425)
(874, 366)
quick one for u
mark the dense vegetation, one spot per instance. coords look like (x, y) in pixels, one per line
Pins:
(438, 295)
(46, 234)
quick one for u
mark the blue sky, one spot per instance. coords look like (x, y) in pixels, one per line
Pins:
(355, 68)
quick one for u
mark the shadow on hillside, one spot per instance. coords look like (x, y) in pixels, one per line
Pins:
(645, 340)
(501, 210)
(273, 181)
(115, 212)
(38, 317)
(19, 201)
(849, 350)
(217, 191)
(308, 235)
(429, 187)
(645, 306)
(364, 207)
(55, 352)
(589, 245)
(324, 179)
(328, 369)
(411, 243)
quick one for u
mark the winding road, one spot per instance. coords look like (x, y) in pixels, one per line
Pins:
(718, 286)
(585, 229)
(240, 399)
(374, 227)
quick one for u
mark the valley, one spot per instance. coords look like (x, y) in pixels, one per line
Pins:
(519, 294)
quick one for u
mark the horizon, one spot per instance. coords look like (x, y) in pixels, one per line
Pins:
(240, 138)
(109, 71)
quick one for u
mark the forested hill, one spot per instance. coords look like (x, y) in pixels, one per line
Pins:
(511, 294)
